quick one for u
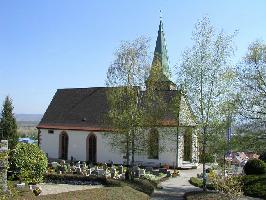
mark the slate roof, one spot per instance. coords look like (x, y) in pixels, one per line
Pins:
(86, 109)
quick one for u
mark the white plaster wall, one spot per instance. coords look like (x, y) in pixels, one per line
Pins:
(105, 153)
(77, 146)
(49, 143)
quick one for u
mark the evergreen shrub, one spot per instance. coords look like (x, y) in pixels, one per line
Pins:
(254, 166)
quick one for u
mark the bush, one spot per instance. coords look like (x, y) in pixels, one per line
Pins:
(255, 185)
(263, 156)
(29, 161)
(208, 158)
(196, 182)
(199, 183)
(254, 166)
(74, 179)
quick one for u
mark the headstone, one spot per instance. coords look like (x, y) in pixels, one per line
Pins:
(136, 173)
(78, 170)
(120, 169)
(141, 172)
(3, 166)
(84, 164)
(105, 166)
(62, 162)
(101, 172)
(89, 171)
(149, 169)
(78, 164)
(113, 170)
(54, 164)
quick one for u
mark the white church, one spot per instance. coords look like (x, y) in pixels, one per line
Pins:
(73, 126)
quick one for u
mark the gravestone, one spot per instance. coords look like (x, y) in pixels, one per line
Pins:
(113, 170)
(105, 166)
(3, 166)
(141, 172)
(120, 169)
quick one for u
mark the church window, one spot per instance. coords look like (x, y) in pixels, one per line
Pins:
(153, 144)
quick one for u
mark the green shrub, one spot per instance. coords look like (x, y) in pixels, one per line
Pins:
(29, 161)
(75, 179)
(199, 183)
(196, 182)
(263, 156)
(207, 158)
(254, 166)
(255, 185)
(142, 185)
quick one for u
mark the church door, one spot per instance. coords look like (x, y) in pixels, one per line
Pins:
(63, 146)
(188, 145)
(91, 148)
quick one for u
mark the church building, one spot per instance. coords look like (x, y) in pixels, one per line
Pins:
(73, 126)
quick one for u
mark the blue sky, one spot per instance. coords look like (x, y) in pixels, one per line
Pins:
(51, 44)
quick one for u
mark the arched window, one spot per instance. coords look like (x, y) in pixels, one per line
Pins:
(188, 144)
(153, 144)
(63, 146)
(91, 146)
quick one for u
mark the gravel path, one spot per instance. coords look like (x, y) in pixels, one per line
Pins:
(50, 188)
(175, 188)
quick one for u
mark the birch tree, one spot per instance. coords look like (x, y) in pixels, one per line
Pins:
(203, 72)
(126, 76)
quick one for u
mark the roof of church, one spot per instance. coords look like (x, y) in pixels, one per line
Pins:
(86, 109)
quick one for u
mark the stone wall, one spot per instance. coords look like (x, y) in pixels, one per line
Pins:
(3, 165)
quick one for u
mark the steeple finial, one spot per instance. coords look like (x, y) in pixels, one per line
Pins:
(161, 15)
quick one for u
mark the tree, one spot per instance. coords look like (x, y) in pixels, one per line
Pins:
(252, 81)
(204, 74)
(252, 78)
(8, 123)
(126, 75)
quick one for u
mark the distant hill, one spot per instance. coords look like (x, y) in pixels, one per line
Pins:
(28, 117)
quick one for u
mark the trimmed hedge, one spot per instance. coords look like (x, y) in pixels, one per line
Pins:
(199, 183)
(254, 166)
(74, 179)
(141, 185)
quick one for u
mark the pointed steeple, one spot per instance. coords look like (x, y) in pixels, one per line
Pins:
(160, 72)
(160, 53)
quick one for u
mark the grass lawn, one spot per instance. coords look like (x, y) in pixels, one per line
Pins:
(107, 193)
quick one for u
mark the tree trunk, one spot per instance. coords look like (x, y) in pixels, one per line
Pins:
(127, 150)
(204, 158)
(177, 143)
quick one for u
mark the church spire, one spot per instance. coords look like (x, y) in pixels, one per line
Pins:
(160, 58)
(160, 72)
